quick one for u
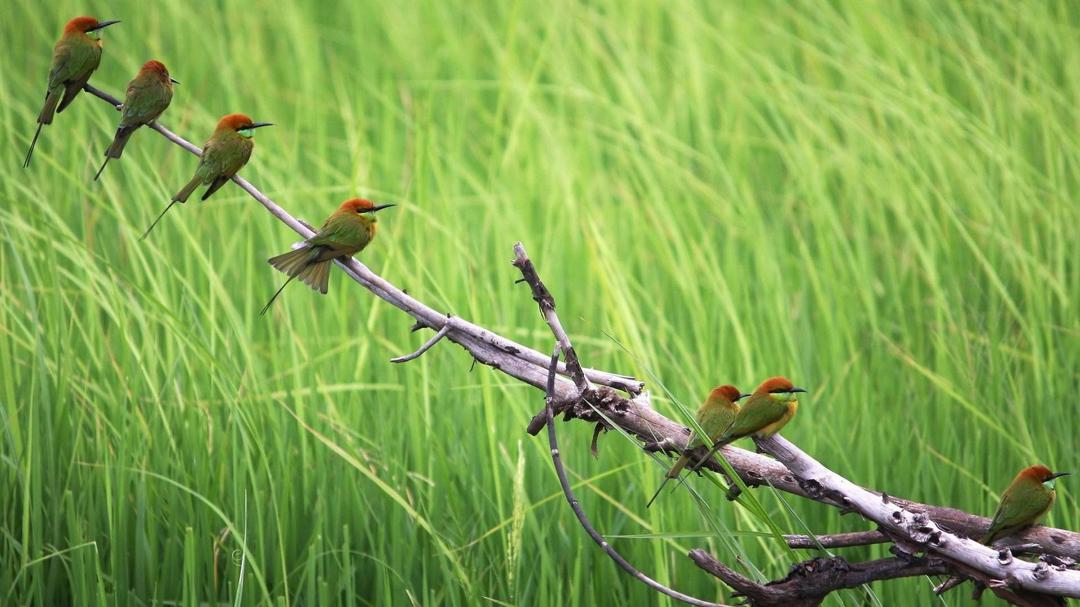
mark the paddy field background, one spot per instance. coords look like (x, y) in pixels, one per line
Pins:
(877, 199)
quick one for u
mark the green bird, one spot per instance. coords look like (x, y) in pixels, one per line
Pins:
(227, 150)
(75, 57)
(147, 96)
(714, 416)
(347, 231)
(769, 408)
(1026, 500)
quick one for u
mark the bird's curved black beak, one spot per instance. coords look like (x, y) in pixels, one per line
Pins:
(1056, 475)
(742, 396)
(257, 125)
(103, 24)
(379, 207)
(797, 390)
(174, 81)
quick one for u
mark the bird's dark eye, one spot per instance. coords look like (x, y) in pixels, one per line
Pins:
(778, 391)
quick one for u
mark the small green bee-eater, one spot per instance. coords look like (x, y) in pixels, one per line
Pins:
(346, 232)
(227, 150)
(714, 416)
(1026, 500)
(769, 408)
(147, 96)
(75, 57)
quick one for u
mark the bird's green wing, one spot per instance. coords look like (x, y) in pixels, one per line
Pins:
(1020, 505)
(342, 234)
(144, 103)
(754, 415)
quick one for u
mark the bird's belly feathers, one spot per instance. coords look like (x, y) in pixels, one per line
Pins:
(773, 428)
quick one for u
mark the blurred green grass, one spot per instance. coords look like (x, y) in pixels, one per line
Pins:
(874, 198)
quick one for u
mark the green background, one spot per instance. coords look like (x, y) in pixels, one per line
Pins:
(874, 198)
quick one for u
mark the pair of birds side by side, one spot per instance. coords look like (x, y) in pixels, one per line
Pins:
(767, 410)
(773, 404)
(77, 54)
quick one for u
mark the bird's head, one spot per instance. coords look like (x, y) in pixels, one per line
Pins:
(779, 388)
(240, 124)
(1042, 474)
(727, 392)
(157, 68)
(88, 25)
(358, 206)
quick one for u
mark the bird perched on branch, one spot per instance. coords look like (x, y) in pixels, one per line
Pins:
(714, 416)
(147, 96)
(1026, 500)
(346, 232)
(769, 408)
(75, 57)
(227, 150)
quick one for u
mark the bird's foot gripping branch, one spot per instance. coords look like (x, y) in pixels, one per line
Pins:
(925, 539)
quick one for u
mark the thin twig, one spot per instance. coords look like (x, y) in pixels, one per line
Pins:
(424, 348)
(556, 460)
(837, 540)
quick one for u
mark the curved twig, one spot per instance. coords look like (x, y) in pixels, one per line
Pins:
(556, 460)
(424, 348)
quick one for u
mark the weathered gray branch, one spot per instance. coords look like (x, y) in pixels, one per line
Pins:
(604, 398)
(811, 581)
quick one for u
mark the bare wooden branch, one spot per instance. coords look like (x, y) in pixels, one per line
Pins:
(811, 581)
(610, 398)
(919, 530)
(441, 333)
(560, 471)
(838, 540)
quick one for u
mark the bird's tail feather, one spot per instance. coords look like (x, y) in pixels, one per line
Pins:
(98, 174)
(47, 111)
(301, 263)
(33, 144)
(147, 232)
(186, 191)
(119, 141)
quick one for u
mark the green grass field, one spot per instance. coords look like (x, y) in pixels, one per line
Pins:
(876, 199)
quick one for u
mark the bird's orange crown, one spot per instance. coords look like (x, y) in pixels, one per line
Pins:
(1038, 473)
(775, 384)
(155, 66)
(727, 391)
(355, 205)
(80, 25)
(234, 122)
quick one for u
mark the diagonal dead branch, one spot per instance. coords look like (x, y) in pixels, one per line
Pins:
(633, 413)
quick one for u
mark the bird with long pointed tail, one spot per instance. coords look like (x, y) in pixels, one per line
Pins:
(346, 232)
(75, 57)
(1026, 500)
(769, 408)
(225, 153)
(714, 416)
(147, 96)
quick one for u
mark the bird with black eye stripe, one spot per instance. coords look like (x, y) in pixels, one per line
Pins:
(771, 406)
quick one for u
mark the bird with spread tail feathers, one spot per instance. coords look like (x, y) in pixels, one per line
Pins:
(147, 96)
(714, 416)
(75, 57)
(347, 231)
(227, 150)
